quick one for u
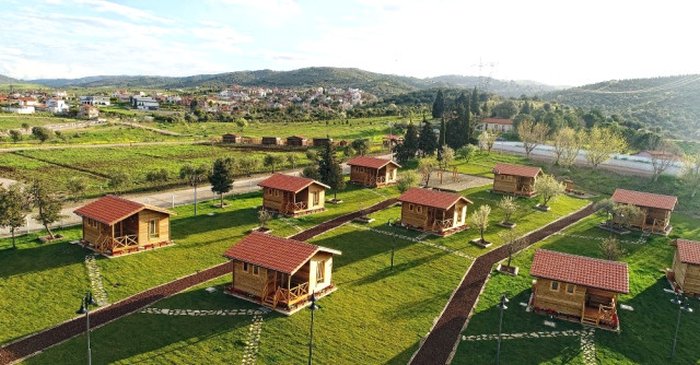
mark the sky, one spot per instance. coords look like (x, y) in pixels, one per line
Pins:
(564, 43)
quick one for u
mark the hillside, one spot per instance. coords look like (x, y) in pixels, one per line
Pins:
(7, 80)
(376, 83)
(671, 103)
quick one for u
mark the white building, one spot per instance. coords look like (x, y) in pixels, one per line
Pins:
(56, 106)
(144, 103)
(94, 100)
(496, 124)
(20, 109)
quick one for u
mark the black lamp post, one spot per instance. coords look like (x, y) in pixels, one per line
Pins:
(313, 307)
(85, 304)
(502, 307)
(683, 306)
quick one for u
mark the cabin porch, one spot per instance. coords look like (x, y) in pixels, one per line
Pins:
(655, 221)
(366, 176)
(296, 204)
(121, 237)
(598, 311)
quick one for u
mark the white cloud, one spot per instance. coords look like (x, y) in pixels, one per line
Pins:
(123, 10)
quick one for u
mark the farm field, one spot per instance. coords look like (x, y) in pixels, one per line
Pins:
(35, 269)
(15, 121)
(647, 331)
(98, 166)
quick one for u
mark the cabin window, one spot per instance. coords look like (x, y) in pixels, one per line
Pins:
(321, 271)
(570, 288)
(419, 209)
(153, 228)
(256, 270)
(554, 286)
(277, 193)
(410, 207)
(315, 198)
(245, 267)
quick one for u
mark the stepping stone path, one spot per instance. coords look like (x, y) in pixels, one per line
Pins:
(250, 353)
(205, 312)
(416, 239)
(98, 291)
(586, 336)
(640, 241)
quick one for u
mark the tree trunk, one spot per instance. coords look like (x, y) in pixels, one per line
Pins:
(195, 200)
(12, 232)
(510, 257)
(481, 231)
(51, 236)
(221, 195)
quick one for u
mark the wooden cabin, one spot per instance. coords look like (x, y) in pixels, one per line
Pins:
(271, 141)
(280, 273)
(434, 211)
(297, 141)
(578, 288)
(113, 226)
(372, 171)
(230, 138)
(292, 195)
(515, 179)
(322, 142)
(685, 272)
(656, 209)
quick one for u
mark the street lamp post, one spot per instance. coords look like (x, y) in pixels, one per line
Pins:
(683, 306)
(313, 307)
(85, 304)
(502, 307)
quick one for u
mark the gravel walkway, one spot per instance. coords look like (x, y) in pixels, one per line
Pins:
(442, 341)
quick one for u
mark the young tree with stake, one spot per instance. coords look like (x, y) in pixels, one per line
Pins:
(222, 177)
(549, 188)
(14, 207)
(480, 219)
(47, 203)
(194, 176)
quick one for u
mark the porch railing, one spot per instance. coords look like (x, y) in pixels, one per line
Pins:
(443, 223)
(291, 296)
(295, 206)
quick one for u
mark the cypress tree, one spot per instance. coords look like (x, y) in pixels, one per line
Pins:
(330, 171)
(407, 150)
(439, 105)
(427, 142)
(475, 102)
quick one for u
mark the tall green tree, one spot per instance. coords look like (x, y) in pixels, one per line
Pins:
(221, 177)
(194, 176)
(360, 145)
(272, 161)
(427, 141)
(474, 103)
(408, 149)
(525, 108)
(47, 203)
(14, 207)
(330, 171)
(439, 105)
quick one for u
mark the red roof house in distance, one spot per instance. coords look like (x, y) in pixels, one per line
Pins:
(496, 124)
(372, 171)
(280, 273)
(434, 211)
(114, 226)
(685, 272)
(578, 288)
(293, 195)
(656, 209)
(515, 179)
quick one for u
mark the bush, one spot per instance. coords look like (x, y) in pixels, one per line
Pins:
(157, 175)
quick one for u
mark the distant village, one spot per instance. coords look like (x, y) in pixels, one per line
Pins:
(234, 99)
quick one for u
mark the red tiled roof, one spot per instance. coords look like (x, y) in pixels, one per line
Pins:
(689, 251)
(371, 162)
(275, 253)
(288, 183)
(431, 198)
(111, 209)
(516, 170)
(642, 199)
(501, 121)
(581, 270)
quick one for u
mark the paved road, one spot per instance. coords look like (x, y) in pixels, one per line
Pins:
(164, 199)
(623, 164)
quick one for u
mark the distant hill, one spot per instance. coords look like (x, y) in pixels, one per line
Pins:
(672, 103)
(376, 83)
(7, 80)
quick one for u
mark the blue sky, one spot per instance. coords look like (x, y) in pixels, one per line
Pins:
(555, 42)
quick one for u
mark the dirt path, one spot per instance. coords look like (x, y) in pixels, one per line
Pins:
(32, 344)
(442, 341)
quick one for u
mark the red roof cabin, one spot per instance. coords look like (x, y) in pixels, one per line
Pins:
(230, 138)
(113, 226)
(515, 179)
(578, 288)
(496, 124)
(280, 273)
(656, 209)
(297, 141)
(434, 211)
(372, 171)
(686, 266)
(292, 195)
(271, 141)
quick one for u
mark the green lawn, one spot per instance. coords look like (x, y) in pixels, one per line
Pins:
(377, 315)
(35, 269)
(102, 134)
(646, 332)
(15, 121)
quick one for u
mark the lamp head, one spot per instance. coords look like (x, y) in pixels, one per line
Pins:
(89, 299)
(82, 309)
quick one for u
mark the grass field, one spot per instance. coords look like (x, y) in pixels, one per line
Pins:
(646, 332)
(15, 121)
(97, 165)
(102, 134)
(57, 268)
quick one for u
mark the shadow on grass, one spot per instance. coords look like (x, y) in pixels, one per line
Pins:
(39, 258)
(358, 245)
(399, 267)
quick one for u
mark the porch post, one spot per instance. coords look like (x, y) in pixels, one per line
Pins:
(111, 241)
